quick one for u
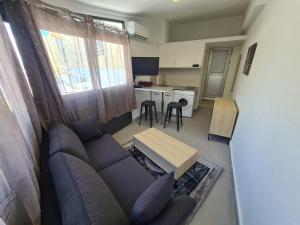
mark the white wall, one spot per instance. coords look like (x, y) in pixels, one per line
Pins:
(265, 145)
(254, 9)
(223, 27)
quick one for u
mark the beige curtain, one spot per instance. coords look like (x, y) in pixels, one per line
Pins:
(91, 62)
(44, 87)
(19, 150)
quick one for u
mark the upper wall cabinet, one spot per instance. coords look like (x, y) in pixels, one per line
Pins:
(182, 54)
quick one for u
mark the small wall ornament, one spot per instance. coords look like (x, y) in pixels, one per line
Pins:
(249, 58)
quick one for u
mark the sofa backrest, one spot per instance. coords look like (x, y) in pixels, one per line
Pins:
(83, 196)
(64, 139)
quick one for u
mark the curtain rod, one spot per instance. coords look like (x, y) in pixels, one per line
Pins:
(43, 5)
(78, 17)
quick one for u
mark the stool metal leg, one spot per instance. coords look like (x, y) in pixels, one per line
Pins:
(150, 112)
(146, 112)
(177, 118)
(181, 115)
(170, 114)
(141, 111)
(155, 113)
(166, 116)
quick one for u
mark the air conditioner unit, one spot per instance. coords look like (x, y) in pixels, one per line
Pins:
(138, 31)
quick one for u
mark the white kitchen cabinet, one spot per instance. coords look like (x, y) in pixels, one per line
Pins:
(140, 96)
(166, 53)
(182, 54)
(168, 97)
(156, 96)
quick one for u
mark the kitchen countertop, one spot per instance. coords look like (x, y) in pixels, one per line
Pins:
(156, 88)
(166, 88)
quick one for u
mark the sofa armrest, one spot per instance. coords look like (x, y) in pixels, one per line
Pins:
(176, 211)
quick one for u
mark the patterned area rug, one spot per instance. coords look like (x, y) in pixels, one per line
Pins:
(196, 182)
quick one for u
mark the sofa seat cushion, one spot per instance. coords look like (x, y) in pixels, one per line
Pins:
(83, 196)
(127, 180)
(104, 151)
(63, 139)
(176, 211)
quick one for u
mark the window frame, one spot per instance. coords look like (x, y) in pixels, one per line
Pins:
(107, 19)
(111, 20)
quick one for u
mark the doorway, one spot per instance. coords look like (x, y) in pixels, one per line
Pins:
(216, 72)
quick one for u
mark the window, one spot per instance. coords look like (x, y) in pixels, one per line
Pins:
(69, 60)
(14, 44)
(111, 64)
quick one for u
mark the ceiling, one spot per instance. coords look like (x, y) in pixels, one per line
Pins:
(181, 11)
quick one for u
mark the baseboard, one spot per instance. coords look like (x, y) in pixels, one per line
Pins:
(239, 216)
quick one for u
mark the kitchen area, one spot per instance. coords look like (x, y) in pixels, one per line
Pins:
(163, 95)
(185, 72)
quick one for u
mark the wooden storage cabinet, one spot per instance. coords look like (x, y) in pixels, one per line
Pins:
(223, 118)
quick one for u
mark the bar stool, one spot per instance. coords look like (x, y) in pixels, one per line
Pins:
(178, 107)
(149, 106)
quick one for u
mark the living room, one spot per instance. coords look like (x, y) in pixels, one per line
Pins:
(149, 112)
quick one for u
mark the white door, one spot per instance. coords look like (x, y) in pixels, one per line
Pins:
(217, 71)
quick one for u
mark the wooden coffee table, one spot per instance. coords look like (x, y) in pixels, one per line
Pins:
(169, 153)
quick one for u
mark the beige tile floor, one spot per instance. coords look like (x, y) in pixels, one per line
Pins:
(219, 207)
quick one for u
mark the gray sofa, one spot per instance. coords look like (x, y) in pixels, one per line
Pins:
(98, 182)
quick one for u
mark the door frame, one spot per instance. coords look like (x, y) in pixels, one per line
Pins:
(208, 64)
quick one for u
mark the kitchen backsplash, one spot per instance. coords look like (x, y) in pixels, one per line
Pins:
(180, 77)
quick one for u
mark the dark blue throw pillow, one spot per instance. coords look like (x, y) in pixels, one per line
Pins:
(87, 130)
(153, 200)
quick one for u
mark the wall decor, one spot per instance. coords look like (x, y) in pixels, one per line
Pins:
(249, 58)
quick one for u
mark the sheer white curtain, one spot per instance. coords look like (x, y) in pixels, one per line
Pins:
(91, 62)
(19, 150)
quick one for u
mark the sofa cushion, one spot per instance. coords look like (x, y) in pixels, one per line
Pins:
(63, 139)
(83, 196)
(104, 151)
(153, 200)
(88, 130)
(176, 211)
(127, 180)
